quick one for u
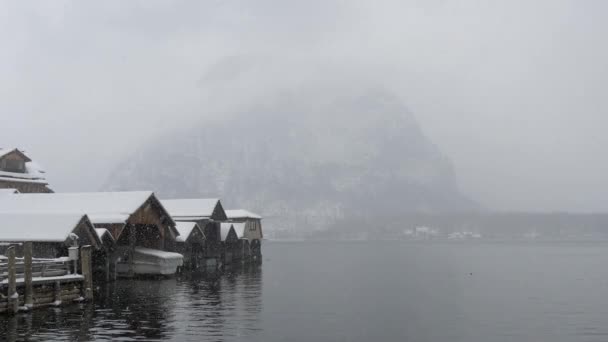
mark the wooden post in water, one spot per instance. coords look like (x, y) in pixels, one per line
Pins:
(85, 257)
(27, 260)
(13, 297)
(107, 271)
(57, 293)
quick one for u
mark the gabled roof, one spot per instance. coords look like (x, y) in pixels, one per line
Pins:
(21, 227)
(225, 229)
(185, 229)
(98, 205)
(194, 208)
(104, 233)
(5, 151)
(241, 213)
(124, 203)
(239, 229)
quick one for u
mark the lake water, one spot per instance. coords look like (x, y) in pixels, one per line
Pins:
(351, 291)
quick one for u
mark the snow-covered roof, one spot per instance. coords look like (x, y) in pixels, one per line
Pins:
(34, 169)
(101, 232)
(195, 208)
(110, 218)
(5, 151)
(16, 177)
(114, 206)
(184, 229)
(225, 229)
(26, 175)
(37, 227)
(8, 191)
(158, 253)
(241, 213)
(239, 229)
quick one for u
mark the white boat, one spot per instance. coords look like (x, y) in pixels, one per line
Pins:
(148, 261)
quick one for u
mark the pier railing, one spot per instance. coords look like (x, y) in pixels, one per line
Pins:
(27, 282)
(41, 268)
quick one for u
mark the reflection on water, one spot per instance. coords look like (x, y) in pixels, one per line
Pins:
(183, 309)
(359, 292)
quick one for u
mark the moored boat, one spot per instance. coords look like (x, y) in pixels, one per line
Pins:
(148, 261)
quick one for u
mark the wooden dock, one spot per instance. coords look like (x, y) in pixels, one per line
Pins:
(27, 283)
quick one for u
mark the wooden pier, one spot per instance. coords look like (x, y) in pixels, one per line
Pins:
(27, 283)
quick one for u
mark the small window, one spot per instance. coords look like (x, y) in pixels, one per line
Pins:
(13, 165)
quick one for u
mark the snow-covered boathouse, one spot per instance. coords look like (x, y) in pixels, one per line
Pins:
(107, 240)
(243, 251)
(190, 243)
(101, 256)
(18, 171)
(51, 234)
(208, 214)
(252, 230)
(135, 219)
(230, 242)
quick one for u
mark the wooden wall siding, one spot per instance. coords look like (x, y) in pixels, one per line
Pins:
(147, 227)
(211, 229)
(232, 239)
(196, 236)
(108, 243)
(253, 229)
(213, 243)
(85, 235)
(218, 213)
(16, 155)
(255, 247)
(143, 235)
(193, 253)
(13, 156)
(163, 216)
(25, 187)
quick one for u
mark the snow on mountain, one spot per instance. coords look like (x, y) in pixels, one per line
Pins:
(304, 161)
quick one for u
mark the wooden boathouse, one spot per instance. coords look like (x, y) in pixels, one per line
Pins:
(252, 229)
(50, 234)
(18, 171)
(46, 260)
(134, 219)
(102, 265)
(208, 214)
(190, 243)
(230, 243)
(243, 252)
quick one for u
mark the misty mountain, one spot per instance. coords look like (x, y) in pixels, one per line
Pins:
(305, 160)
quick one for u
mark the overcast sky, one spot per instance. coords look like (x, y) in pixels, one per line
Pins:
(514, 92)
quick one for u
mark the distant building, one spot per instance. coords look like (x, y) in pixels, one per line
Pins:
(19, 172)
(249, 228)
